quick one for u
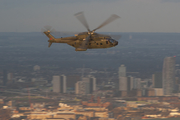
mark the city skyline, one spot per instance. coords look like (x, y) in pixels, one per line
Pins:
(137, 79)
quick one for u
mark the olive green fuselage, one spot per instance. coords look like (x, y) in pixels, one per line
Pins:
(96, 41)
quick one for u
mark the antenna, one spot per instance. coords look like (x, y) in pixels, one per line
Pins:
(29, 96)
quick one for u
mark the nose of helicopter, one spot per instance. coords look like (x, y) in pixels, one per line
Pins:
(116, 43)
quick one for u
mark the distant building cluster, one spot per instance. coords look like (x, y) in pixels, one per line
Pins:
(162, 83)
(85, 85)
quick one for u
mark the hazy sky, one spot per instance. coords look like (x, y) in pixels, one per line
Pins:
(136, 15)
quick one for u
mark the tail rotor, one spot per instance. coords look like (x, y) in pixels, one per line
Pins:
(47, 30)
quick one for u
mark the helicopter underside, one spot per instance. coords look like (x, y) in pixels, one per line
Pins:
(91, 44)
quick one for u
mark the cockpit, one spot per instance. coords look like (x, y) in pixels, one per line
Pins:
(112, 41)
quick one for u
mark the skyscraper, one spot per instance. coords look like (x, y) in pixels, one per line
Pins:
(122, 83)
(56, 84)
(82, 87)
(86, 86)
(168, 75)
(92, 84)
(130, 83)
(137, 83)
(59, 84)
(63, 84)
(122, 71)
(122, 78)
(157, 80)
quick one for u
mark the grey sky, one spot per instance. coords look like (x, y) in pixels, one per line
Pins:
(136, 15)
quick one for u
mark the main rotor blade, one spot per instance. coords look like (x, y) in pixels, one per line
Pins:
(116, 37)
(47, 27)
(54, 32)
(82, 19)
(109, 20)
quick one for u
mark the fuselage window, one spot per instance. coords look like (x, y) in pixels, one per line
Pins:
(100, 43)
(106, 42)
(89, 43)
(97, 43)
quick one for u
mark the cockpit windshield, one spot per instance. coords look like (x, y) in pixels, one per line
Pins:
(110, 40)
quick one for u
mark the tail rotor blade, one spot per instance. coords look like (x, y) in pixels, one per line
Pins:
(49, 29)
(82, 19)
(109, 20)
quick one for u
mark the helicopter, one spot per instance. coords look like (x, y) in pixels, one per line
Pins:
(84, 40)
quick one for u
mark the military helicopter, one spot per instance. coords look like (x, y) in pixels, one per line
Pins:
(84, 40)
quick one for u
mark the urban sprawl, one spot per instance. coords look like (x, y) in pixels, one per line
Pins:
(87, 94)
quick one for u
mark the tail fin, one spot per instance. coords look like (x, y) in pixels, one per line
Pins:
(51, 38)
(50, 43)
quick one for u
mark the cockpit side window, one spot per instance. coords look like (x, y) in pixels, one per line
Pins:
(110, 40)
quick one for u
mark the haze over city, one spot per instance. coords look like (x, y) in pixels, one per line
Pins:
(134, 77)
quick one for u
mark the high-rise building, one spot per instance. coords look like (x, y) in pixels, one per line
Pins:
(122, 78)
(130, 83)
(168, 75)
(86, 86)
(59, 84)
(91, 82)
(82, 88)
(56, 84)
(137, 83)
(122, 71)
(125, 85)
(157, 80)
(122, 83)
(63, 84)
